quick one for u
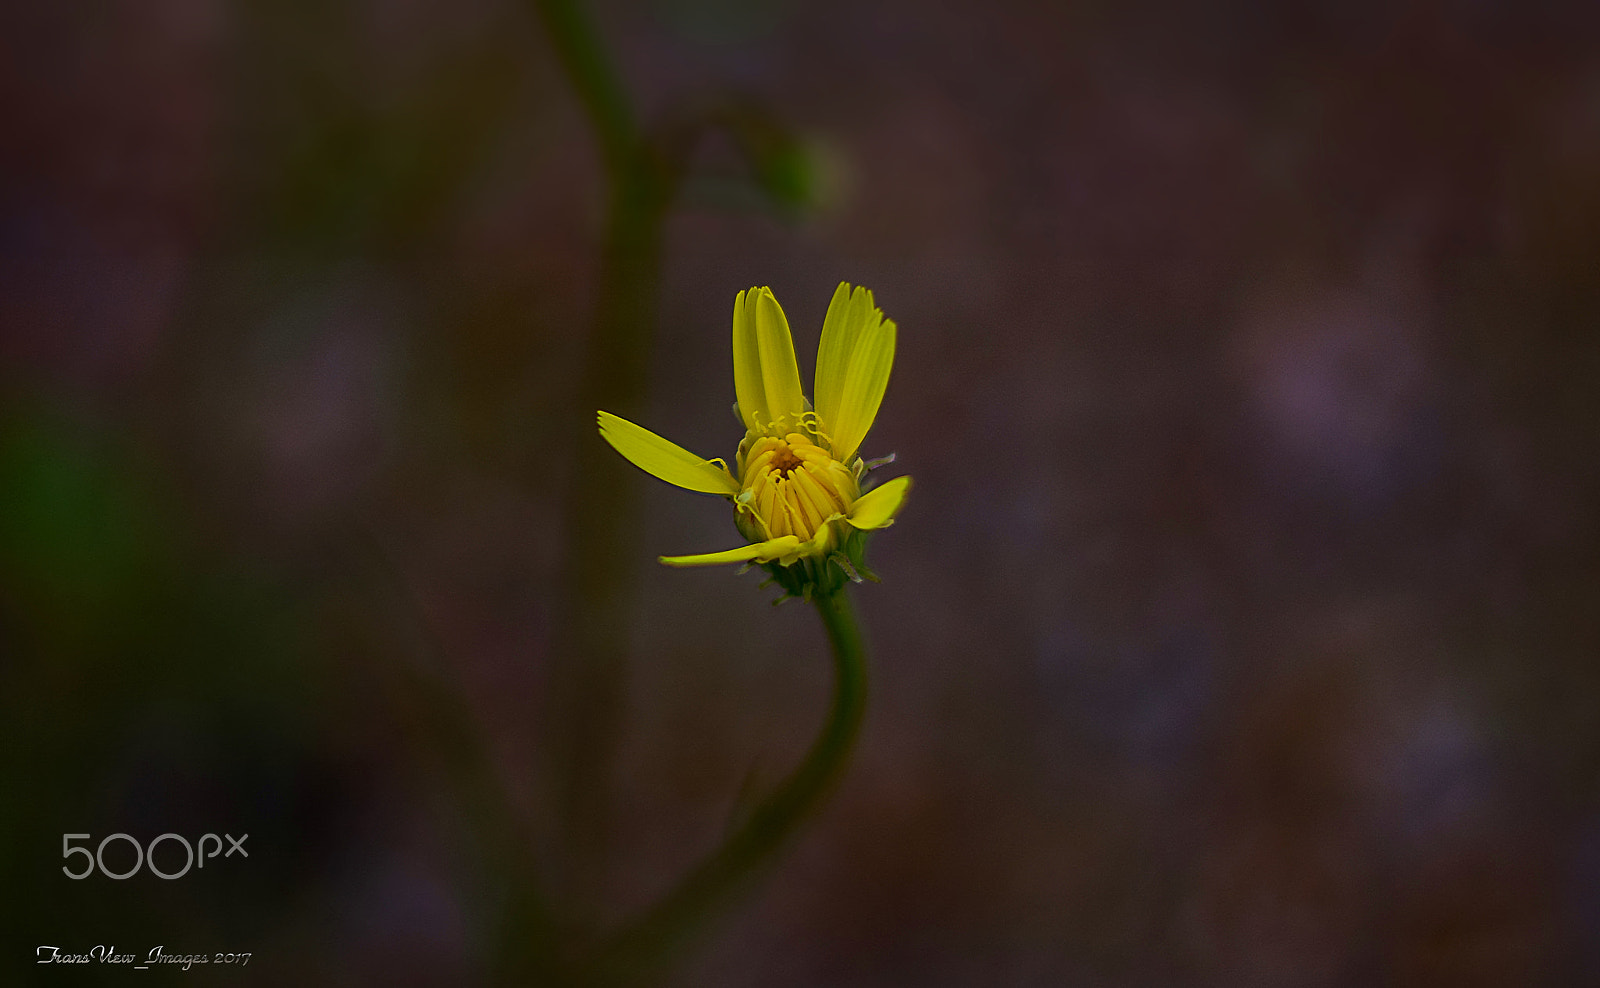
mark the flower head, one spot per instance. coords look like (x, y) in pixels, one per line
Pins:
(798, 487)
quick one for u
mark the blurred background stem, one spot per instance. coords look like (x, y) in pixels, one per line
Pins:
(647, 944)
(590, 641)
(644, 168)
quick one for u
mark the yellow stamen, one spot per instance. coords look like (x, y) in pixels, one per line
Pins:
(794, 486)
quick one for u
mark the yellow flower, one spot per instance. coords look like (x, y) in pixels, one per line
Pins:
(797, 490)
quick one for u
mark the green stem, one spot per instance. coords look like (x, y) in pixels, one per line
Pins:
(645, 944)
(589, 661)
(599, 89)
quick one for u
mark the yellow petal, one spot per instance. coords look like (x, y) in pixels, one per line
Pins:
(660, 458)
(853, 371)
(818, 545)
(841, 327)
(766, 380)
(780, 376)
(877, 508)
(747, 388)
(760, 552)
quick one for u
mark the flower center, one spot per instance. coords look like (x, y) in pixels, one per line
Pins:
(784, 460)
(791, 486)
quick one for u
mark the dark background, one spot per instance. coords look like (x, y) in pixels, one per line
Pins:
(1241, 630)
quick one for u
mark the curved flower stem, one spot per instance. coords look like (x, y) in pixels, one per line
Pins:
(645, 167)
(645, 944)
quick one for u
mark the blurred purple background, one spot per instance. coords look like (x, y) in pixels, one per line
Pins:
(1242, 628)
